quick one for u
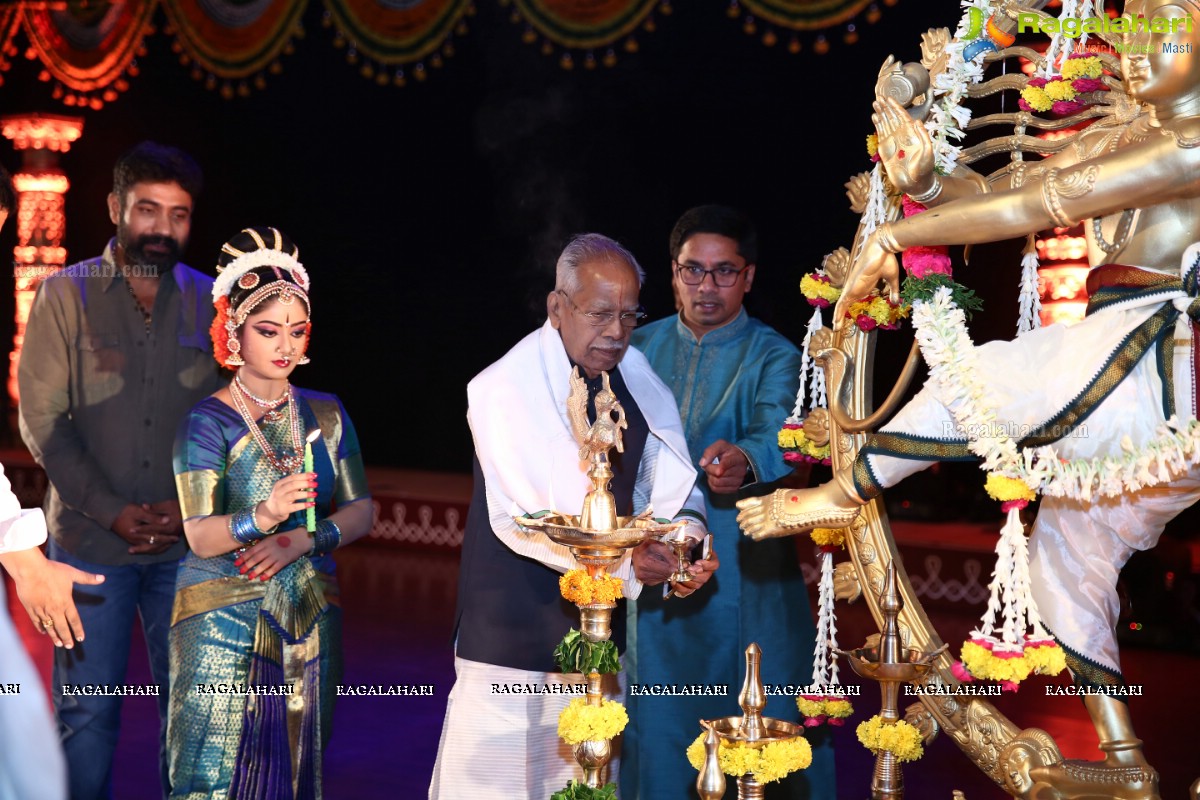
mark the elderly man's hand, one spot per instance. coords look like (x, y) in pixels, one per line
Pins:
(653, 562)
(701, 571)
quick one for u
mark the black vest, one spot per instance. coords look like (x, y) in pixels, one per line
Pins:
(510, 612)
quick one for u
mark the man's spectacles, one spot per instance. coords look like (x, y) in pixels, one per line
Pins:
(602, 319)
(723, 277)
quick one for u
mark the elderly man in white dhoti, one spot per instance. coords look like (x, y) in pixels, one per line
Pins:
(500, 733)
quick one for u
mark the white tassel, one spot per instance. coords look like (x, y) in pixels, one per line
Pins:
(1070, 10)
(807, 364)
(825, 669)
(1031, 301)
(875, 214)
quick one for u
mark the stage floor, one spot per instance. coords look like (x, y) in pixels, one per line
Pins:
(399, 607)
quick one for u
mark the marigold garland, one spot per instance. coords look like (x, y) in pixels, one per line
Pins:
(1006, 489)
(797, 447)
(1059, 95)
(817, 289)
(217, 332)
(581, 589)
(828, 537)
(877, 311)
(898, 738)
(873, 146)
(820, 709)
(580, 722)
(770, 763)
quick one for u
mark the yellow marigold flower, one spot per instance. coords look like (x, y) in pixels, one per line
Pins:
(1046, 659)
(580, 722)
(810, 708)
(1060, 90)
(606, 588)
(1037, 99)
(576, 586)
(828, 537)
(872, 145)
(1003, 488)
(899, 738)
(839, 709)
(984, 665)
(1089, 67)
(814, 289)
(771, 763)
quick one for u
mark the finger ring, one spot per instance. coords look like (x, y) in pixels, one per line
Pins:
(47, 623)
(151, 538)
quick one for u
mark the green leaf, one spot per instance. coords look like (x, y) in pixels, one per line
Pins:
(924, 289)
(576, 654)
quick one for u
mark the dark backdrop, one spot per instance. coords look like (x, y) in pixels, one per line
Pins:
(430, 215)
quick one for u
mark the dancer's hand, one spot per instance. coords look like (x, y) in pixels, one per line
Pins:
(904, 148)
(290, 494)
(267, 557)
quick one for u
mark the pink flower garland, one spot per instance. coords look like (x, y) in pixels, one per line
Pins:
(921, 261)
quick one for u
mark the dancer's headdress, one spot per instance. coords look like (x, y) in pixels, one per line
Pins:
(255, 265)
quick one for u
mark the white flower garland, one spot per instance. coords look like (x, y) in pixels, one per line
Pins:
(1030, 303)
(825, 667)
(954, 374)
(948, 117)
(239, 266)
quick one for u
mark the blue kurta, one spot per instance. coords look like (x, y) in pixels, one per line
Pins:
(738, 383)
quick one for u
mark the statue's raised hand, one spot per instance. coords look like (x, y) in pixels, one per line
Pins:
(904, 148)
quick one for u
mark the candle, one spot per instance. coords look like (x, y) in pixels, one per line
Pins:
(311, 512)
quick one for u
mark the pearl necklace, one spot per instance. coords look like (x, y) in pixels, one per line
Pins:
(288, 464)
(274, 414)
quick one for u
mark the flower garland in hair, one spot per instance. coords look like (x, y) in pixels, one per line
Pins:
(825, 703)
(770, 763)
(266, 257)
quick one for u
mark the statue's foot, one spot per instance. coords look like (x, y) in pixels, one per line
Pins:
(1121, 779)
(787, 512)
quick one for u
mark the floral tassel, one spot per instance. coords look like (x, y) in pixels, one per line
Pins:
(807, 365)
(1013, 655)
(1031, 301)
(875, 214)
(826, 704)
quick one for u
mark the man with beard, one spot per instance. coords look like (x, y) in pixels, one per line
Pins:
(116, 351)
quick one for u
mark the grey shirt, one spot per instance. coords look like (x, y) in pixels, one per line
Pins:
(101, 398)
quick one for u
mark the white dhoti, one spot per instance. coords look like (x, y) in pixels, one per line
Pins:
(1077, 548)
(500, 737)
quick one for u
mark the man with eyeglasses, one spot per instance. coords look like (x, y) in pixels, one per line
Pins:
(500, 733)
(735, 380)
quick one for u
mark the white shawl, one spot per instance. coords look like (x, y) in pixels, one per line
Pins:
(517, 410)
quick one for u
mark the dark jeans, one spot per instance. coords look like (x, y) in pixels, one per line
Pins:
(89, 723)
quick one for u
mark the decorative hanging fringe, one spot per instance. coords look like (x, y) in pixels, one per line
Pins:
(1031, 301)
(1022, 647)
(826, 704)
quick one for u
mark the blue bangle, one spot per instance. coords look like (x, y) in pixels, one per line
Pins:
(243, 526)
(326, 538)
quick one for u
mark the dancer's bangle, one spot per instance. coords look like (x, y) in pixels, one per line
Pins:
(243, 526)
(326, 538)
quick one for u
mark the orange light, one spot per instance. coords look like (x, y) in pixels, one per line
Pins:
(41, 131)
(1062, 248)
(25, 182)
